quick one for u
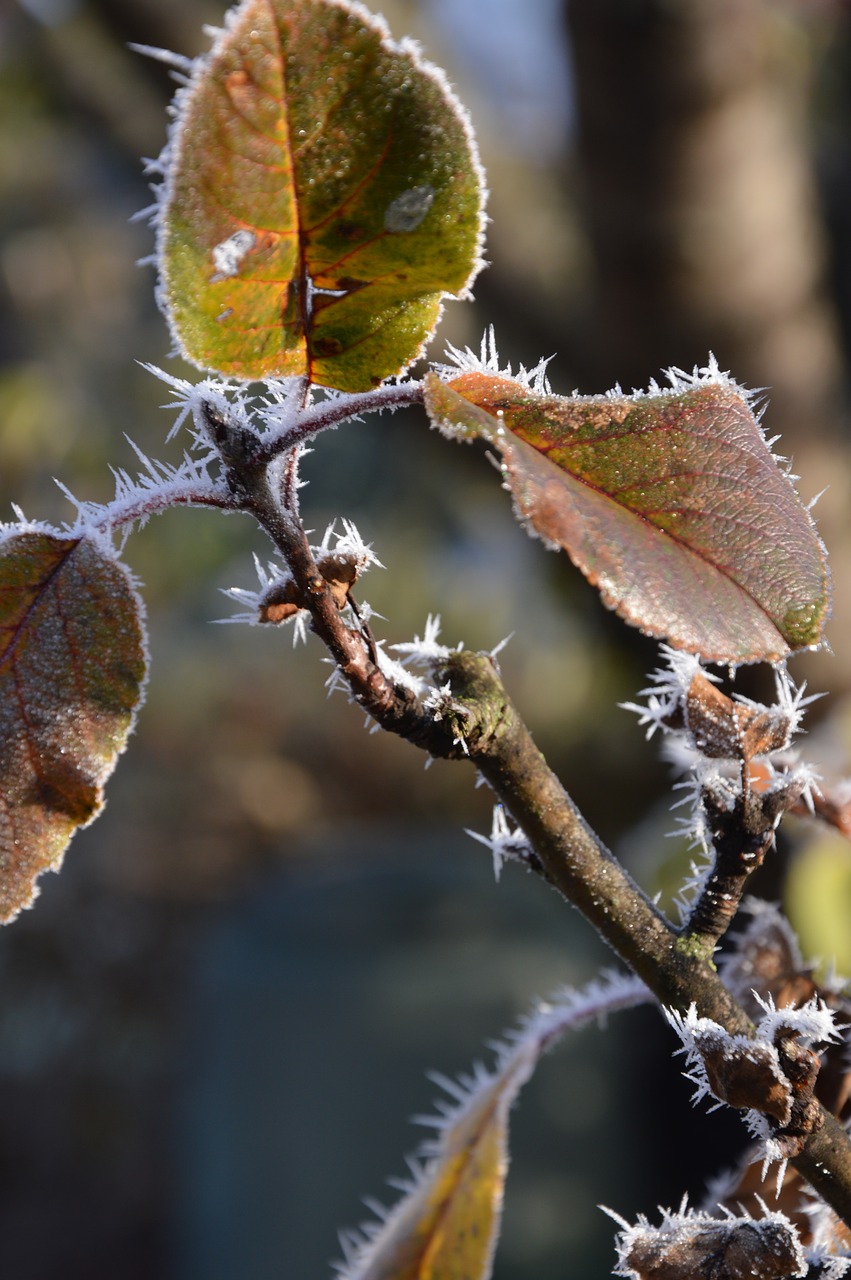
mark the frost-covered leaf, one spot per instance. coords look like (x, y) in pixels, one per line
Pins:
(322, 196)
(450, 1224)
(445, 1227)
(670, 503)
(72, 668)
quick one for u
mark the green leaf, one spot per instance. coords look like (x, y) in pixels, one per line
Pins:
(670, 503)
(72, 668)
(322, 196)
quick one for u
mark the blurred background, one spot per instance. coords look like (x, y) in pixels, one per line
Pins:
(215, 1023)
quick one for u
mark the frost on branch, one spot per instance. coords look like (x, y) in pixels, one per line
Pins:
(742, 776)
(425, 652)
(505, 844)
(692, 1245)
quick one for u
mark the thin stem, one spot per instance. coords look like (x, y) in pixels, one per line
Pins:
(329, 413)
(394, 707)
(741, 838)
(289, 483)
(122, 511)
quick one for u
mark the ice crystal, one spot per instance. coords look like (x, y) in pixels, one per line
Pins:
(425, 651)
(827, 1265)
(228, 398)
(487, 362)
(787, 711)
(348, 545)
(505, 844)
(668, 688)
(270, 577)
(812, 1023)
(709, 374)
(399, 675)
(441, 705)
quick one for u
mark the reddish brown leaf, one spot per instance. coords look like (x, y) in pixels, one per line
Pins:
(72, 667)
(671, 504)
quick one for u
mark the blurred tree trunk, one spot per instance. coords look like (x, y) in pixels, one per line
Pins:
(701, 200)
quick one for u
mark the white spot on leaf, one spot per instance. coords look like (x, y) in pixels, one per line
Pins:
(407, 211)
(228, 254)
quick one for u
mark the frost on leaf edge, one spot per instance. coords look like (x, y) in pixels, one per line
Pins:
(188, 73)
(535, 380)
(517, 1053)
(102, 542)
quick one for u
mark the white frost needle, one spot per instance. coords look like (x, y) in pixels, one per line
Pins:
(505, 844)
(487, 362)
(425, 651)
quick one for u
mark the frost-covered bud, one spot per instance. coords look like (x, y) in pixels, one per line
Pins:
(690, 1245)
(742, 1072)
(236, 442)
(684, 699)
(766, 957)
(771, 1078)
(340, 558)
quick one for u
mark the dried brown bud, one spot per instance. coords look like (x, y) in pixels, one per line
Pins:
(284, 599)
(702, 1248)
(748, 1076)
(724, 729)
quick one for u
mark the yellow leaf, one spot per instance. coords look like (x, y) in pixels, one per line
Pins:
(446, 1226)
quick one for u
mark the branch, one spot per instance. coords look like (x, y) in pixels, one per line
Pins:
(478, 721)
(577, 863)
(741, 838)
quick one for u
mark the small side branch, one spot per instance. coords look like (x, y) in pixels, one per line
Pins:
(742, 835)
(353, 649)
(342, 408)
